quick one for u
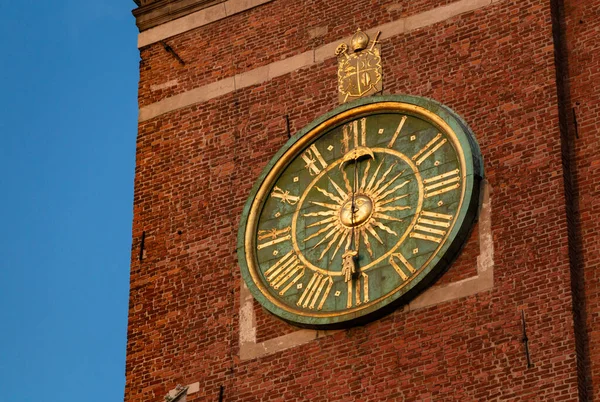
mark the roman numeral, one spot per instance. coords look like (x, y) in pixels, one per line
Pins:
(277, 236)
(284, 271)
(313, 290)
(428, 224)
(428, 149)
(311, 156)
(391, 144)
(442, 183)
(404, 262)
(354, 135)
(354, 290)
(284, 196)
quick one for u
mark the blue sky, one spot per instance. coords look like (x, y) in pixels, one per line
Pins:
(68, 111)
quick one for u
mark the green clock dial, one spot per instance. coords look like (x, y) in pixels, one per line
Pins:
(360, 211)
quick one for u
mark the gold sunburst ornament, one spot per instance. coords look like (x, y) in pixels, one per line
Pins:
(361, 203)
(360, 209)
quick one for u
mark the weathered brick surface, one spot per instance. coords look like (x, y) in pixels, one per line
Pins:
(269, 326)
(195, 168)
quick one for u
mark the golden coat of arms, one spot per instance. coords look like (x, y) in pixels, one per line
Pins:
(359, 72)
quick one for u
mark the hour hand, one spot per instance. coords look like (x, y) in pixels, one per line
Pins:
(349, 264)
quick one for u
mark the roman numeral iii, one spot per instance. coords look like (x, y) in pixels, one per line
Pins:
(431, 226)
(442, 183)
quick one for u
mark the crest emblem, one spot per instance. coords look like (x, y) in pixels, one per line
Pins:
(359, 71)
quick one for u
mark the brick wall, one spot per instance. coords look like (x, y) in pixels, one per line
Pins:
(195, 166)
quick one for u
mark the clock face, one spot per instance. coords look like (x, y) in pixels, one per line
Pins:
(361, 210)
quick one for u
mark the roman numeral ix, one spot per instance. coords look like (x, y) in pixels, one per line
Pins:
(277, 236)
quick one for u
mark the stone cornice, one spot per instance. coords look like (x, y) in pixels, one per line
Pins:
(210, 12)
(151, 13)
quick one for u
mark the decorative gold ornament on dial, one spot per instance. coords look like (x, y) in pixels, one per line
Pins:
(356, 212)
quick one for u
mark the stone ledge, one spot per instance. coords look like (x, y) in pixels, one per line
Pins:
(151, 13)
(207, 11)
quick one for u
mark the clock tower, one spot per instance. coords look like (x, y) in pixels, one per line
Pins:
(404, 211)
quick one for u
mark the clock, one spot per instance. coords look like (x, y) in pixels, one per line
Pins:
(360, 211)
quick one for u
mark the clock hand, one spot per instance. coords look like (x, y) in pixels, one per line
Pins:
(349, 264)
(350, 257)
(354, 209)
